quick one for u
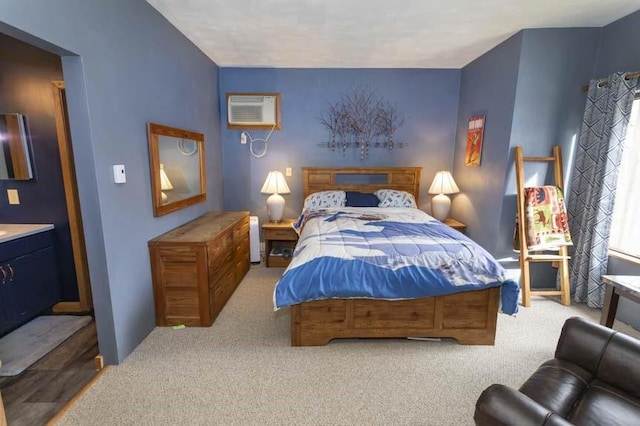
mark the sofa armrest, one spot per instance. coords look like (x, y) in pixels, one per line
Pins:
(501, 405)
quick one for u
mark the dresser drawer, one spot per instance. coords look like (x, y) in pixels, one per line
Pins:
(242, 248)
(241, 268)
(177, 254)
(220, 270)
(280, 234)
(220, 248)
(221, 292)
(279, 261)
(241, 231)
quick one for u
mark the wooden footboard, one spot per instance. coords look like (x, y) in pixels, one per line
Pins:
(469, 317)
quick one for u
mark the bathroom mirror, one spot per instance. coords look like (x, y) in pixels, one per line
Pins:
(178, 178)
(15, 152)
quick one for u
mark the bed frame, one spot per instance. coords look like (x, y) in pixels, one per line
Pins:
(470, 317)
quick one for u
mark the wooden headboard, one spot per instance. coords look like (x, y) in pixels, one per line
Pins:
(315, 179)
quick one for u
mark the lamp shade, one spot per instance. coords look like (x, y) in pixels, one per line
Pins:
(275, 184)
(443, 183)
(165, 183)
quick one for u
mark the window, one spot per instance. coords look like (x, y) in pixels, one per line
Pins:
(625, 228)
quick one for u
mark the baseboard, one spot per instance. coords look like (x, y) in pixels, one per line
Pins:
(99, 362)
(3, 418)
(70, 307)
(76, 397)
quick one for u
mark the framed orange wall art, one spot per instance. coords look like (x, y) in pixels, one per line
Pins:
(474, 141)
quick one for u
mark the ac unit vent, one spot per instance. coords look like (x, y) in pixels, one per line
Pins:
(251, 110)
(247, 99)
(246, 114)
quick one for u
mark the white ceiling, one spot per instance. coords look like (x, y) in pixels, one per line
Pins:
(371, 33)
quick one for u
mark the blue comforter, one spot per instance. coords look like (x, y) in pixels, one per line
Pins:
(386, 253)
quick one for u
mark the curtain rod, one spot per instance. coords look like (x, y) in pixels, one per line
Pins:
(627, 76)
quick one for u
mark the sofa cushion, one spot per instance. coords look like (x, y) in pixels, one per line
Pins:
(603, 404)
(619, 364)
(583, 344)
(556, 385)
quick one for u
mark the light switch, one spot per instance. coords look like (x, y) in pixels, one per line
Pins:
(287, 171)
(119, 175)
(12, 194)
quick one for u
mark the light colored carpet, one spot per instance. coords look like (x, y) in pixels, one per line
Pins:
(27, 344)
(243, 371)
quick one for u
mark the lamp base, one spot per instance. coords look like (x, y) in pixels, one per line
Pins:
(440, 205)
(275, 207)
(164, 197)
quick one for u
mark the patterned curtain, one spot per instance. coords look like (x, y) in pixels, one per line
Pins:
(593, 183)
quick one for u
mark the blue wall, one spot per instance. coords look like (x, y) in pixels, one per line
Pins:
(548, 108)
(428, 100)
(548, 111)
(620, 51)
(547, 68)
(528, 88)
(488, 87)
(124, 65)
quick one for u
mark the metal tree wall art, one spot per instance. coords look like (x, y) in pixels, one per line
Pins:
(362, 121)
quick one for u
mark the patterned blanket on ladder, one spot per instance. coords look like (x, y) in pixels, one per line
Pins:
(546, 219)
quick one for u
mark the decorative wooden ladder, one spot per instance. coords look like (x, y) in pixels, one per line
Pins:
(561, 259)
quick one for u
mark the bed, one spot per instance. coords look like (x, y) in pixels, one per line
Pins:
(468, 316)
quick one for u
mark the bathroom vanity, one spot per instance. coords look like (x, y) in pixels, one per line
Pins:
(29, 281)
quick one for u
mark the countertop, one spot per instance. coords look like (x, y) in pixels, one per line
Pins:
(12, 231)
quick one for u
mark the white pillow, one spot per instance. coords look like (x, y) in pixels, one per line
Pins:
(325, 199)
(394, 198)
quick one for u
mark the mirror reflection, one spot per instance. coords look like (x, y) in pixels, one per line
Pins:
(15, 152)
(177, 168)
(179, 171)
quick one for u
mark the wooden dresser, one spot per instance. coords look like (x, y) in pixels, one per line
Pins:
(197, 266)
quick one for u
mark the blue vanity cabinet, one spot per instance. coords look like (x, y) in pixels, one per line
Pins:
(6, 314)
(29, 282)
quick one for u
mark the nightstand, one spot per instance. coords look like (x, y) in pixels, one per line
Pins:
(279, 242)
(459, 226)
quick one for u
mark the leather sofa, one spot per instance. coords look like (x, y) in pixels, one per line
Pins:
(594, 379)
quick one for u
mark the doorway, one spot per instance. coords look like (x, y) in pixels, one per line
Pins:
(32, 85)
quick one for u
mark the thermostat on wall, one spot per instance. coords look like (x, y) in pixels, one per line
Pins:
(119, 175)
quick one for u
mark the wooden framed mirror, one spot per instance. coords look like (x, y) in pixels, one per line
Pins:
(177, 165)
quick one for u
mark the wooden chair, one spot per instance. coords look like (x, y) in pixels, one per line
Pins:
(559, 259)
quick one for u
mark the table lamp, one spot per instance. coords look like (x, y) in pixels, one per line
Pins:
(275, 185)
(442, 184)
(165, 184)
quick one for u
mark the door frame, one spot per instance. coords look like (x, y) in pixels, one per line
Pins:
(85, 302)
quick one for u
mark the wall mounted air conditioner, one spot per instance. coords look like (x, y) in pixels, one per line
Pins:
(251, 110)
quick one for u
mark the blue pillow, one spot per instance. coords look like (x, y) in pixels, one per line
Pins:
(361, 199)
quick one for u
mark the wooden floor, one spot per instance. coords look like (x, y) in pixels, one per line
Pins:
(36, 395)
